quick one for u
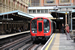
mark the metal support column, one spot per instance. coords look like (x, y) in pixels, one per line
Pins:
(2, 25)
(71, 21)
(7, 16)
(66, 18)
(7, 21)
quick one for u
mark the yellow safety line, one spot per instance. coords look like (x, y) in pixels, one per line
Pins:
(56, 43)
(49, 43)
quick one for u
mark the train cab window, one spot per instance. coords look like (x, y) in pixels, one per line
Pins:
(46, 26)
(34, 26)
(40, 26)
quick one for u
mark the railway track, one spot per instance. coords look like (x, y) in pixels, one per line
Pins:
(11, 39)
(31, 46)
(27, 44)
(19, 42)
(24, 43)
(36, 47)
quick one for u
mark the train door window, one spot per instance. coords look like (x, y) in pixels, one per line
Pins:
(46, 26)
(40, 26)
(34, 26)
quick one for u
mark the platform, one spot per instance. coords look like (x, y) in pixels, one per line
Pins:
(14, 34)
(59, 42)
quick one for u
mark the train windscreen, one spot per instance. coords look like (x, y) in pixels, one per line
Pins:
(34, 26)
(46, 26)
(40, 26)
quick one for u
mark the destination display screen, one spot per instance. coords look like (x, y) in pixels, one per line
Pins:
(40, 19)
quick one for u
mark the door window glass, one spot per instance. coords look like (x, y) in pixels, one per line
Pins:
(46, 26)
(40, 26)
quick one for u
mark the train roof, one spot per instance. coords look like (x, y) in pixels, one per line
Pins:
(42, 17)
(39, 17)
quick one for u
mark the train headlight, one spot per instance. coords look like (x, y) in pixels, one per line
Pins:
(33, 31)
(47, 31)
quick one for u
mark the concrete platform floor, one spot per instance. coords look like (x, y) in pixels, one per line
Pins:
(59, 42)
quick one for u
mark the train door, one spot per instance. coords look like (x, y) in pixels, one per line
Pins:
(40, 31)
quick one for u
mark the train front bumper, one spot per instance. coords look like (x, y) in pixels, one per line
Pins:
(40, 38)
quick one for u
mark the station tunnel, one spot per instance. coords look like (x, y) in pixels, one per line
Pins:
(60, 19)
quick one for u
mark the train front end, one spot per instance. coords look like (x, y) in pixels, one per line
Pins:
(40, 28)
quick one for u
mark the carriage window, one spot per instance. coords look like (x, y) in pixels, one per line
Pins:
(34, 26)
(40, 26)
(46, 26)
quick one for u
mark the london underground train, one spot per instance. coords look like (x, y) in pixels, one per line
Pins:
(41, 28)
